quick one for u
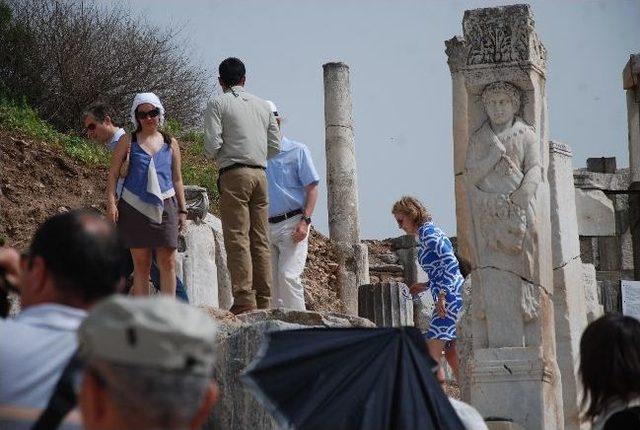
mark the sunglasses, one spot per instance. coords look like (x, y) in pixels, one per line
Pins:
(400, 221)
(91, 127)
(148, 114)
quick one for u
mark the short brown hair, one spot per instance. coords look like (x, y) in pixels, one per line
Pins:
(412, 208)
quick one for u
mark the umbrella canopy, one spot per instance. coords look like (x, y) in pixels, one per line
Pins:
(350, 378)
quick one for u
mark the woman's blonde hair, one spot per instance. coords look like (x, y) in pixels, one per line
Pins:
(412, 208)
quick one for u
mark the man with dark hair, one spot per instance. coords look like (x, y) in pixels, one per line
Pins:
(241, 132)
(74, 260)
(100, 126)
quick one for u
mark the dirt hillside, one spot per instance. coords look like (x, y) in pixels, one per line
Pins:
(38, 180)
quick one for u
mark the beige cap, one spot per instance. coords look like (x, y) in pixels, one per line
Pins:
(155, 332)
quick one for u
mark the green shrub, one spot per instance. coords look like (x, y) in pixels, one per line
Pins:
(21, 118)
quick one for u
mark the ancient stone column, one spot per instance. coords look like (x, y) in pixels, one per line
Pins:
(342, 185)
(568, 279)
(631, 84)
(387, 304)
(502, 201)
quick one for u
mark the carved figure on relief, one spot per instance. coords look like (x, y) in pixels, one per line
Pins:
(503, 173)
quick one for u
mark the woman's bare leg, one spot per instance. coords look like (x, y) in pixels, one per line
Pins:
(451, 354)
(141, 267)
(166, 258)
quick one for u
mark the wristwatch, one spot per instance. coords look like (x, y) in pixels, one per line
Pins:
(307, 219)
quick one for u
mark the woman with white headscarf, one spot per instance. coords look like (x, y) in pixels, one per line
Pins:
(152, 206)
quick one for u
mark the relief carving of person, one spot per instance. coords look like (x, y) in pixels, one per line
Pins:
(503, 171)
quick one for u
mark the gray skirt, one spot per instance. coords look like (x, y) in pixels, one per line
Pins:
(138, 231)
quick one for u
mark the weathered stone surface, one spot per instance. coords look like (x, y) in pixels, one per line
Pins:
(502, 204)
(631, 83)
(631, 80)
(568, 294)
(342, 184)
(225, 295)
(564, 226)
(407, 241)
(387, 304)
(239, 340)
(596, 214)
(618, 181)
(592, 302)
(197, 201)
(307, 318)
(198, 262)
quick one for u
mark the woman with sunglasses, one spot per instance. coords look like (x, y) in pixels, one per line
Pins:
(152, 206)
(437, 259)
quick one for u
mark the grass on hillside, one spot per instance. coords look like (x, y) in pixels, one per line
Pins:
(196, 170)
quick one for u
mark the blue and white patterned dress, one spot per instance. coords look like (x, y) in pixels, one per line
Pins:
(436, 257)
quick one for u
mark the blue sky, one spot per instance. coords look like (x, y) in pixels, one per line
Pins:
(401, 84)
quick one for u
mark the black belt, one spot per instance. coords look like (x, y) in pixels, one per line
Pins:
(237, 166)
(280, 218)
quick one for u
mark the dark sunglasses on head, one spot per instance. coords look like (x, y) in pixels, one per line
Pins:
(148, 114)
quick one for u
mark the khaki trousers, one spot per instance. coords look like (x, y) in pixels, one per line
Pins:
(244, 213)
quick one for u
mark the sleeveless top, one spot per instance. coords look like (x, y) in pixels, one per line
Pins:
(150, 180)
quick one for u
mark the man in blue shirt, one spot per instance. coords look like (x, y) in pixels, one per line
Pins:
(293, 192)
(73, 261)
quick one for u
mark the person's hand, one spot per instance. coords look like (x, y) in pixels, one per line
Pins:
(112, 212)
(10, 265)
(300, 232)
(417, 288)
(182, 220)
(441, 306)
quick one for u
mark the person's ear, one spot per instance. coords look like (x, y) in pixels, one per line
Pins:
(37, 274)
(208, 401)
(243, 80)
(222, 84)
(107, 120)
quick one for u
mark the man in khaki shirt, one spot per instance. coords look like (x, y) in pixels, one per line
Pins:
(241, 132)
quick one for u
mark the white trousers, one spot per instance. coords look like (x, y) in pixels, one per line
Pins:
(288, 260)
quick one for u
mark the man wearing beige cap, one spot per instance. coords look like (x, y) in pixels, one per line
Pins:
(148, 365)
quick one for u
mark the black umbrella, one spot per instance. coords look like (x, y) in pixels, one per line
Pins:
(350, 378)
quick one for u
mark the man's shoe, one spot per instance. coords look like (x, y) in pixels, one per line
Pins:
(240, 309)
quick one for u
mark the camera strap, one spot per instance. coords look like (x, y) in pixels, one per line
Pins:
(63, 399)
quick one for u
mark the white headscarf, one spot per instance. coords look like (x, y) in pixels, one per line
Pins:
(142, 98)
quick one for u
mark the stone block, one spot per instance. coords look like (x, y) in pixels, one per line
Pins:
(618, 181)
(511, 376)
(570, 315)
(198, 265)
(498, 424)
(589, 250)
(601, 164)
(610, 293)
(197, 201)
(225, 295)
(592, 302)
(596, 215)
(387, 304)
(609, 253)
(238, 343)
(407, 241)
